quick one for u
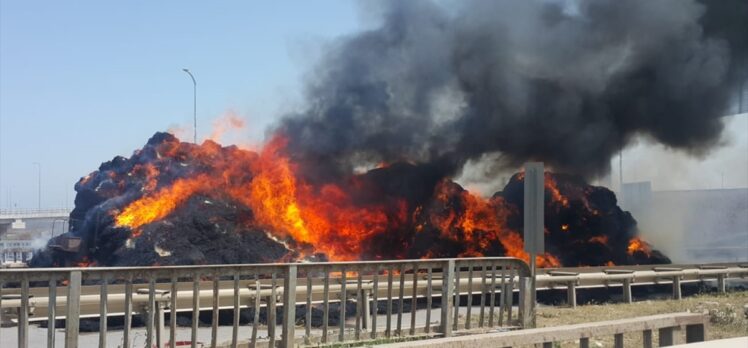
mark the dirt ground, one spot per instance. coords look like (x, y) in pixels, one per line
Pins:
(726, 315)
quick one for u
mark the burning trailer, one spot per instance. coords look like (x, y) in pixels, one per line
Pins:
(176, 203)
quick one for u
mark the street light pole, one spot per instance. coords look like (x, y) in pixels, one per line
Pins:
(194, 104)
(39, 185)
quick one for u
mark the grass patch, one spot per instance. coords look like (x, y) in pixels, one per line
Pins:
(726, 316)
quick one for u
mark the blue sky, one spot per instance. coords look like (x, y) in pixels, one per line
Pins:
(83, 81)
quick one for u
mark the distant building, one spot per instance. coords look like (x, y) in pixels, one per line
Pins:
(22, 232)
(16, 247)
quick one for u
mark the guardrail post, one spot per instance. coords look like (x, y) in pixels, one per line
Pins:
(289, 306)
(526, 302)
(627, 298)
(571, 294)
(72, 318)
(160, 327)
(676, 288)
(365, 308)
(448, 276)
(23, 314)
(51, 314)
(721, 287)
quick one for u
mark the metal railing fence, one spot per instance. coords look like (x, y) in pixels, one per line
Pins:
(395, 290)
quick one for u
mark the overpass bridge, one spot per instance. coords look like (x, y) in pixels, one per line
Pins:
(16, 218)
(30, 214)
(18, 247)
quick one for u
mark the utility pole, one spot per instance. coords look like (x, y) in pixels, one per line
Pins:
(194, 103)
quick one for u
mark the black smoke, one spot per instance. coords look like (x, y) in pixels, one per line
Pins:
(569, 83)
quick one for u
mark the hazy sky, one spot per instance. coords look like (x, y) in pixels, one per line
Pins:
(83, 81)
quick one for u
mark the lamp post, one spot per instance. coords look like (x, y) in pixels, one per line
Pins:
(194, 104)
(39, 183)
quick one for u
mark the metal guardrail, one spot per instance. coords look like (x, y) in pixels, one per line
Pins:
(507, 278)
(670, 329)
(150, 291)
(625, 277)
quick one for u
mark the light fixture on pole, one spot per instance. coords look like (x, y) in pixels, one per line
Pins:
(194, 103)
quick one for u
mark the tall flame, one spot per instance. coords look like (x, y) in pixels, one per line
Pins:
(158, 206)
(326, 217)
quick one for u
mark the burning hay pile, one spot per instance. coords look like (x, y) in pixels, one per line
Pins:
(423, 92)
(179, 203)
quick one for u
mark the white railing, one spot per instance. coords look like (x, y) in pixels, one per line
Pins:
(20, 214)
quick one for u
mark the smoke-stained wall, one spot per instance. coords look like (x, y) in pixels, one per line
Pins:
(567, 83)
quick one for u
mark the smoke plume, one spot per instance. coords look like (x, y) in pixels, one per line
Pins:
(568, 83)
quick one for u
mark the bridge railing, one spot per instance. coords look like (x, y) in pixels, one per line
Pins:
(32, 213)
(472, 294)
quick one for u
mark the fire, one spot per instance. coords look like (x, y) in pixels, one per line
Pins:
(603, 239)
(332, 218)
(158, 206)
(638, 245)
(326, 218)
(482, 222)
(552, 187)
(85, 263)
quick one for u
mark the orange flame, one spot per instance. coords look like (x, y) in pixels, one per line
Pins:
(638, 245)
(85, 263)
(483, 222)
(326, 217)
(603, 239)
(156, 207)
(552, 187)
